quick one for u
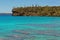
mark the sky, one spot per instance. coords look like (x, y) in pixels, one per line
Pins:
(6, 6)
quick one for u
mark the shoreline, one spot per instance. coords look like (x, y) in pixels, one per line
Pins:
(36, 11)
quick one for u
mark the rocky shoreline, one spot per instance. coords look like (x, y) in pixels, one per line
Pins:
(36, 11)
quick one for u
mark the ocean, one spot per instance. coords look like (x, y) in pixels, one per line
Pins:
(29, 27)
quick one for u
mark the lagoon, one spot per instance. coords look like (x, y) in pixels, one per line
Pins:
(29, 27)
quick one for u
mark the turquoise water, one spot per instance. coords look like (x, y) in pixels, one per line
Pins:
(29, 28)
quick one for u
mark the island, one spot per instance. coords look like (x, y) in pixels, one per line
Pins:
(36, 11)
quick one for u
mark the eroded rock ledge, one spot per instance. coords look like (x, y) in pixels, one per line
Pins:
(36, 11)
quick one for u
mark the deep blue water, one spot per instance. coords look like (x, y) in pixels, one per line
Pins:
(29, 27)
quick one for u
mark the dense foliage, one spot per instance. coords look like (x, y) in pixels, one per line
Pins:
(37, 11)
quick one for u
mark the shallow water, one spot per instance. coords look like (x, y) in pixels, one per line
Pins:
(29, 28)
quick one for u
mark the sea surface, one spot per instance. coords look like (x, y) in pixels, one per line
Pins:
(29, 27)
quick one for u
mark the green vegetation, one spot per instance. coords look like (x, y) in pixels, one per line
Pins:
(36, 11)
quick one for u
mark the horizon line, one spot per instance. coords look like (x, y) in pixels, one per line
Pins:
(3, 12)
